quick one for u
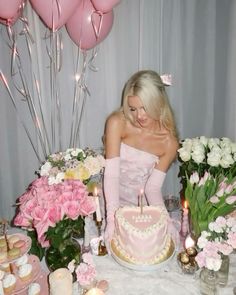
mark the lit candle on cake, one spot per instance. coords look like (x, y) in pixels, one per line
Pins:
(185, 225)
(98, 211)
(60, 282)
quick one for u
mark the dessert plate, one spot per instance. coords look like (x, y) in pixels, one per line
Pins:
(25, 249)
(41, 280)
(36, 269)
(142, 267)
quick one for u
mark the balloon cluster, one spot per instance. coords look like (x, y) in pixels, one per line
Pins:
(88, 22)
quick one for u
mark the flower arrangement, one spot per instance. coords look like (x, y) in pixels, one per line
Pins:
(54, 206)
(218, 240)
(53, 214)
(85, 272)
(80, 164)
(209, 197)
(208, 171)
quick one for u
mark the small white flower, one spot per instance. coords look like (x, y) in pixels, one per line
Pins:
(67, 157)
(213, 263)
(45, 169)
(75, 152)
(60, 176)
(202, 241)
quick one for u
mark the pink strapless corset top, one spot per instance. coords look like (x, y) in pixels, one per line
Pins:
(135, 168)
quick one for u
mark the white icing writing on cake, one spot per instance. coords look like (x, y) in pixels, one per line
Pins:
(142, 218)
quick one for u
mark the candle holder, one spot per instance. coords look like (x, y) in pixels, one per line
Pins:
(102, 250)
(186, 260)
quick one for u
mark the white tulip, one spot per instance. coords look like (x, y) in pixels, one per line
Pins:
(194, 178)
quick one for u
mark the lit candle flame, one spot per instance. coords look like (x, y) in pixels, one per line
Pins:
(189, 242)
(185, 204)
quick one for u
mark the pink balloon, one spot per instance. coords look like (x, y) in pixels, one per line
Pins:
(87, 27)
(54, 13)
(104, 5)
(9, 8)
(10, 21)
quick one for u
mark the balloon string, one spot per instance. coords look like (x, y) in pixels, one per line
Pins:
(84, 90)
(21, 121)
(97, 31)
(25, 92)
(75, 100)
(91, 65)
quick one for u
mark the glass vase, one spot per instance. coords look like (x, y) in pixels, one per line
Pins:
(223, 272)
(61, 256)
(208, 282)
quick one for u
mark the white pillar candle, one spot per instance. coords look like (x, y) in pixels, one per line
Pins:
(60, 282)
(95, 291)
(98, 211)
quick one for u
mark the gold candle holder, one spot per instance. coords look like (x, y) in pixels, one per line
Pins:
(102, 250)
(187, 262)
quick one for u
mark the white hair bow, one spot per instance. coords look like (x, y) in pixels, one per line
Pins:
(166, 79)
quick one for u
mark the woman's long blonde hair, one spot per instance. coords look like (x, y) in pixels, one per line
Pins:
(148, 86)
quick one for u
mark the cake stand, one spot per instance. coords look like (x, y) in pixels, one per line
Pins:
(142, 267)
(37, 274)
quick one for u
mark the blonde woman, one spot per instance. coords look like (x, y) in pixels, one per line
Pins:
(141, 143)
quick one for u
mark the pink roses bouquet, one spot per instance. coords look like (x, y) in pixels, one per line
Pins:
(54, 215)
(218, 240)
(85, 272)
(43, 205)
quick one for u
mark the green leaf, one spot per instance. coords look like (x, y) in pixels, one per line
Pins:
(36, 248)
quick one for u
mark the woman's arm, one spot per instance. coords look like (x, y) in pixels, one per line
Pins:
(112, 172)
(153, 188)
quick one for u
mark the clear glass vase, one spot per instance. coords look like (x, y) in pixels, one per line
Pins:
(208, 282)
(223, 272)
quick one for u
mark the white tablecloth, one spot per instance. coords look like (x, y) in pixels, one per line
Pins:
(166, 280)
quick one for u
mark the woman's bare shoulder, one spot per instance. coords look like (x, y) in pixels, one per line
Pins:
(172, 145)
(116, 120)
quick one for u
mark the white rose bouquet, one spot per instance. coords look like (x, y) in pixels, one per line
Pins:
(208, 175)
(201, 154)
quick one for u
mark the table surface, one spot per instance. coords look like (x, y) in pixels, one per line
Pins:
(166, 280)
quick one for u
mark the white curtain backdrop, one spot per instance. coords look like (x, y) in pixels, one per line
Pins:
(193, 40)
